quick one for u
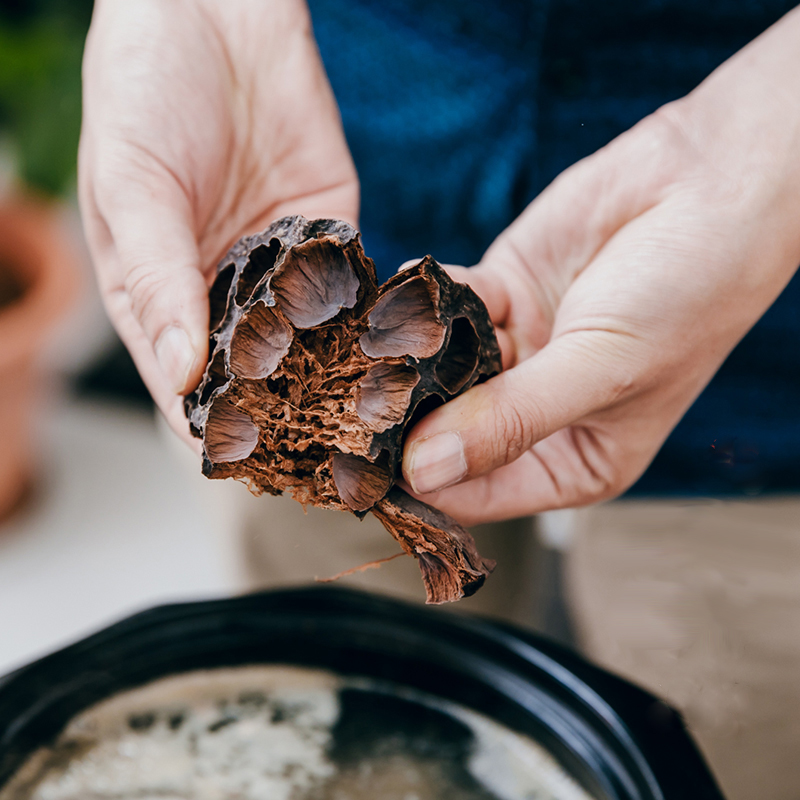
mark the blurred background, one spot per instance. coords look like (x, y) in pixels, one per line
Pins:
(102, 511)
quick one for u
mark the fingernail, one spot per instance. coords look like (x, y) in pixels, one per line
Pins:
(176, 357)
(437, 462)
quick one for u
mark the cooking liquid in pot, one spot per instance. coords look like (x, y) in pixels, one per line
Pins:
(286, 733)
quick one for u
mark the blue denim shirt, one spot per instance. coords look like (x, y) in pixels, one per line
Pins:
(458, 112)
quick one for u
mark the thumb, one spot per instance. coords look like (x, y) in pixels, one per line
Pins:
(158, 268)
(495, 422)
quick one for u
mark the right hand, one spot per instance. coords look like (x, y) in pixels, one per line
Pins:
(202, 121)
(618, 293)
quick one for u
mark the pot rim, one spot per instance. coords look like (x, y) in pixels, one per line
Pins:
(32, 240)
(599, 726)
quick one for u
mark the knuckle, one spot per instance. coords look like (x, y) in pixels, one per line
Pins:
(663, 128)
(510, 439)
(515, 427)
(621, 385)
(609, 483)
(144, 286)
(685, 158)
(612, 482)
(602, 476)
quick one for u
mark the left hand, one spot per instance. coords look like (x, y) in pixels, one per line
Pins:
(203, 120)
(619, 292)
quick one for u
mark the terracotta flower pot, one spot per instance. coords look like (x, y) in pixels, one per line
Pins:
(37, 283)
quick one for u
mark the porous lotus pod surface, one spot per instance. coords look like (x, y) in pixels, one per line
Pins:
(315, 373)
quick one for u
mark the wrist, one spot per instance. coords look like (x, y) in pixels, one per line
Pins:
(744, 121)
(742, 127)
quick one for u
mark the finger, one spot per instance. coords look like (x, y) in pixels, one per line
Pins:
(494, 423)
(517, 490)
(568, 469)
(117, 304)
(157, 267)
(132, 335)
(520, 489)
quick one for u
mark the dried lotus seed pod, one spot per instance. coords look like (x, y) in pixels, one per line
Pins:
(315, 374)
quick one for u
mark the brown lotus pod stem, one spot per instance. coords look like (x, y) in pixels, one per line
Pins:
(315, 373)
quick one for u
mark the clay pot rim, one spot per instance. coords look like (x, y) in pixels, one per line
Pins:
(48, 271)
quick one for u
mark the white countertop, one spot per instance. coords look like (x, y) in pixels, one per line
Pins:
(122, 520)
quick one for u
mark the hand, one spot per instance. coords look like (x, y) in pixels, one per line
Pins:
(203, 121)
(619, 292)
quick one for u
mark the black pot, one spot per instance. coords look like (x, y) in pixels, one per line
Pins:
(618, 741)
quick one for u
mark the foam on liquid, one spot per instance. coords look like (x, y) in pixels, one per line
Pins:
(269, 733)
